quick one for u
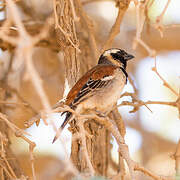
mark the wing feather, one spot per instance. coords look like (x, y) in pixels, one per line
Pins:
(93, 80)
(89, 89)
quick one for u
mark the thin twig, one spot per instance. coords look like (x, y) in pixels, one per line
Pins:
(159, 19)
(141, 7)
(165, 83)
(123, 6)
(13, 127)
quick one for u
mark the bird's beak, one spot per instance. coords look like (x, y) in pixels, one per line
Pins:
(128, 57)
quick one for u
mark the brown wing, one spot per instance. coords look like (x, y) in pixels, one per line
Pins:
(94, 78)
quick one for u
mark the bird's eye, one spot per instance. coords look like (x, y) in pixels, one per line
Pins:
(117, 56)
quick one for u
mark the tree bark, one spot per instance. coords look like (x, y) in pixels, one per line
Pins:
(97, 146)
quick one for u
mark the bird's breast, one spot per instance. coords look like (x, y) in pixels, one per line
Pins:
(104, 99)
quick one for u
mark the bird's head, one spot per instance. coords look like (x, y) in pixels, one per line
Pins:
(115, 56)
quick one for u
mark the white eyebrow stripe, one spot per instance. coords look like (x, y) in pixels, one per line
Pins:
(107, 78)
(110, 51)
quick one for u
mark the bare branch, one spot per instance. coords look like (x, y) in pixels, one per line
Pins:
(123, 6)
(159, 24)
(177, 160)
(165, 83)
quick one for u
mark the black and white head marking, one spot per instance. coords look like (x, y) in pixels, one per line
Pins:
(116, 54)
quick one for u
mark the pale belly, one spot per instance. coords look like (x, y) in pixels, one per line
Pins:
(107, 97)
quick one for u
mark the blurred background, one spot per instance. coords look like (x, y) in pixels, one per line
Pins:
(151, 136)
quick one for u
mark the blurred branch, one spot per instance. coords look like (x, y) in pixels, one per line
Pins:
(133, 84)
(150, 174)
(91, 1)
(25, 50)
(178, 104)
(165, 83)
(25, 43)
(8, 69)
(141, 8)
(159, 24)
(123, 6)
(20, 133)
(13, 103)
(9, 169)
(14, 128)
(23, 101)
(135, 94)
(90, 29)
(136, 103)
(4, 3)
(177, 160)
(32, 29)
(41, 114)
(7, 173)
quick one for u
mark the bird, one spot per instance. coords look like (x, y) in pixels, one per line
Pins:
(100, 87)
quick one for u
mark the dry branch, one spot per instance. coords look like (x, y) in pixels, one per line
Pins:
(19, 133)
(159, 24)
(165, 83)
(177, 160)
(69, 15)
(115, 30)
(90, 28)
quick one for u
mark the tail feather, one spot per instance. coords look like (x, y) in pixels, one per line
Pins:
(68, 116)
(58, 133)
